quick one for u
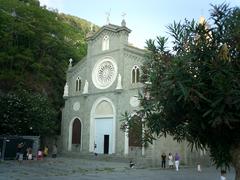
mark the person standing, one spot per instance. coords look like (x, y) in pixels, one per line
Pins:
(29, 153)
(40, 154)
(177, 160)
(54, 151)
(163, 156)
(170, 160)
(223, 172)
(45, 151)
(20, 152)
(95, 149)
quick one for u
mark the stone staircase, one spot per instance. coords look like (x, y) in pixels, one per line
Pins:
(99, 157)
(141, 162)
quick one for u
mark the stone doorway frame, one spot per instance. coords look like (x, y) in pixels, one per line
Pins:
(93, 116)
(70, 133)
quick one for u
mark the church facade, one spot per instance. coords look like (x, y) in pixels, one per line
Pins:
(98, 90)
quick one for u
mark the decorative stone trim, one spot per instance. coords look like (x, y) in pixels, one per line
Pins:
(104, 73)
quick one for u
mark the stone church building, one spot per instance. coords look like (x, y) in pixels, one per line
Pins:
(98, 90)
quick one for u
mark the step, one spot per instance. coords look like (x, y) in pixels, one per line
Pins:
(92, 156)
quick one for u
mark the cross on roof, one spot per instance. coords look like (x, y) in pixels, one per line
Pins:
(123, 15)
(70, 62)
(108, 16)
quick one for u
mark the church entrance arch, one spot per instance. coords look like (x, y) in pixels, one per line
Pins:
(135, 132)
(75, 135)
(102, 127)
(134, 137)
(76, 132)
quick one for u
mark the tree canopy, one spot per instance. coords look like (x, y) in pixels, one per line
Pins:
(25, 113)
(35, 46)
(193, 92)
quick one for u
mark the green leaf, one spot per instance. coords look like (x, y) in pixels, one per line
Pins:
(201, 95)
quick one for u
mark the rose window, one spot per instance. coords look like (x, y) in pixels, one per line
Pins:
(104, 73)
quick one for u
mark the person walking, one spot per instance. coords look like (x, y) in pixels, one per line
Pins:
(163, 156)
(177, 160)
(170, 160)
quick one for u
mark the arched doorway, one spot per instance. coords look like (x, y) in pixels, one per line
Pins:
(135, 134)
(76, 132)
(102, 127)
(75, 135)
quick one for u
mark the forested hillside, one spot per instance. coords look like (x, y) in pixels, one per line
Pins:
(35, 46)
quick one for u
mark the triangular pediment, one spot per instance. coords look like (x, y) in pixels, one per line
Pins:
(109, 27)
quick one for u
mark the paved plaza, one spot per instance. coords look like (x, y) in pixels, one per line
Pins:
(74, 169)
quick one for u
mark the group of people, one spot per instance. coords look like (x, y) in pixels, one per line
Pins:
(172, 160)
(41, 154)
(44, 153)
(175, 160)
(29, 156)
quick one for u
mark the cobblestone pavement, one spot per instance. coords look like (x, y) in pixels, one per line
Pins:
(82, 169)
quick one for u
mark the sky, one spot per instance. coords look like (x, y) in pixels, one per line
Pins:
(146, 18)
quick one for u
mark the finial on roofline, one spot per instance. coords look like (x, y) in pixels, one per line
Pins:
(202, 19)
(123, 23)
(108, 17)
(91, 27)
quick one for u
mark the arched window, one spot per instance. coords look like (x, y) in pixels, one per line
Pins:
(135, 74)
(78, 84)
(76, 132)
(105, 43)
